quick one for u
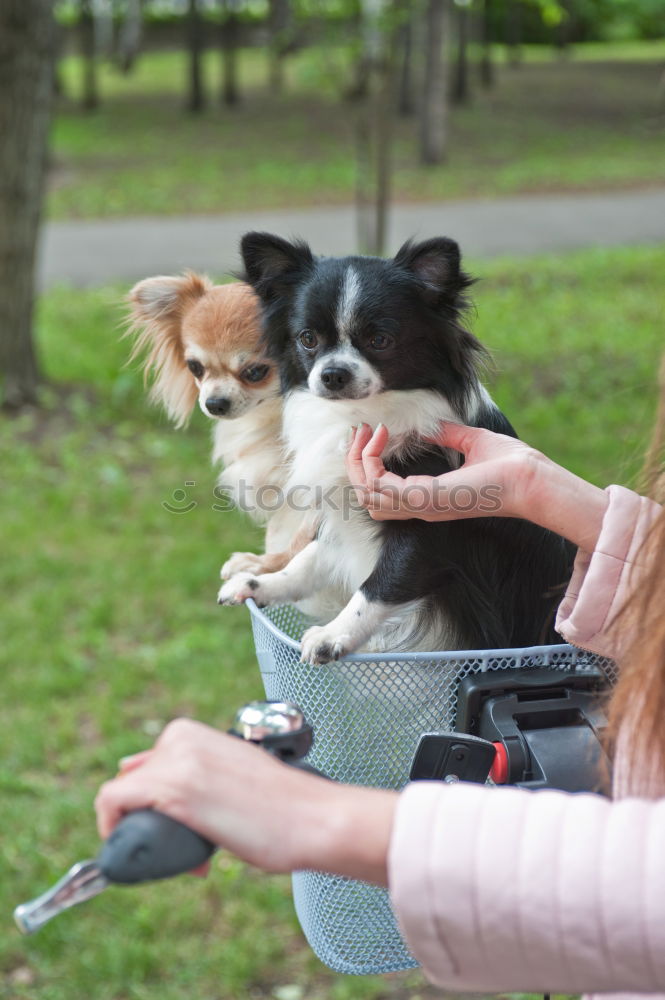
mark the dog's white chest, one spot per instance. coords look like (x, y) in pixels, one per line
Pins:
(252, 455)
(317, 434)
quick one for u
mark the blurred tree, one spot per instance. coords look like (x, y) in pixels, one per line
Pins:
(280, 23)
(90, 99)
(384, 20)
(58, 83)
(407, 97)
(104, 15)
(459, 91)
(27, 52)
(195, 41)
(358, 88)
(513, 32)
(434, 104)
(564, 22)
(230, 43)
(487, 75)
(129, 35)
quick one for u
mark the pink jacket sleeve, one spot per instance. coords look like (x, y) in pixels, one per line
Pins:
(503, 889)
(600, 582)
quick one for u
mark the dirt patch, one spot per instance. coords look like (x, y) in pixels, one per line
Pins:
(53, 416)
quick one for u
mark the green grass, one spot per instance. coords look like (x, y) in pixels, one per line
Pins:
(641, 50)
(582, 124)
(110, 626)
(576, 342)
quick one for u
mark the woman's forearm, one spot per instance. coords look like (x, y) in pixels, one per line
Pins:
(348, 831)
(563, 502)
(277, 817)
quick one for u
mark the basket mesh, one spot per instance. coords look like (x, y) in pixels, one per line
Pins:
(368, 715)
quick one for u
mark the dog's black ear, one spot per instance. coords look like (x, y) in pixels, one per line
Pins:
(436, 263)
(273, 264)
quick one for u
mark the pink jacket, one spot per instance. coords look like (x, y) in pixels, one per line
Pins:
(502, 889)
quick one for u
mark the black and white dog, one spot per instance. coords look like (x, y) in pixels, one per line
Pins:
(362, 339)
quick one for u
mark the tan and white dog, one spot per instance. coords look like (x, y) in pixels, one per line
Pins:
(202, 342)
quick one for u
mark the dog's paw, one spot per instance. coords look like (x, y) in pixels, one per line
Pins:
(239, 588)
(241, 562)
(322, 644)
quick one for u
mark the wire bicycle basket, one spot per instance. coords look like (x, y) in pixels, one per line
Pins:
(368, 714)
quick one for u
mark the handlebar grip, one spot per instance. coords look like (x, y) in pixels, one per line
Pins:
(147, 845)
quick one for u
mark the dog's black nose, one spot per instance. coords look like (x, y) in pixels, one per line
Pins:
(218, 405)
(335, 378)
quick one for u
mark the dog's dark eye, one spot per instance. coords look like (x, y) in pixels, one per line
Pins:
(256, 373)
(196, 368)
(308, 340)
(379, 342)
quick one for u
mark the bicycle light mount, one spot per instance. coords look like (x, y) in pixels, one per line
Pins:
(534, 728)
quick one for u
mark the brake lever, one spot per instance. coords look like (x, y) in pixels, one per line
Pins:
(147, 845)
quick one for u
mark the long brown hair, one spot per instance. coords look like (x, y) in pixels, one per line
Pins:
(639, 696)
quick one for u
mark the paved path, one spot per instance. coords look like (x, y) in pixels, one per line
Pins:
(97, 252)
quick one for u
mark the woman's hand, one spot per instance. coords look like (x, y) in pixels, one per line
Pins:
(269, 814)
(501, 477)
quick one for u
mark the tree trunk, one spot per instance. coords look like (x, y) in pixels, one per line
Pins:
(90, 99)
(280, 29)
(27, 51)
(102, 16)
(434, 107)
(460, 89)
(230, 38)
(384, 115)
(487, 76)
(58, 46)
(358, 89)
(514, 32)
(196, 98)
(129, 38)
(375, 134)
(564, 30)
(407, 101)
